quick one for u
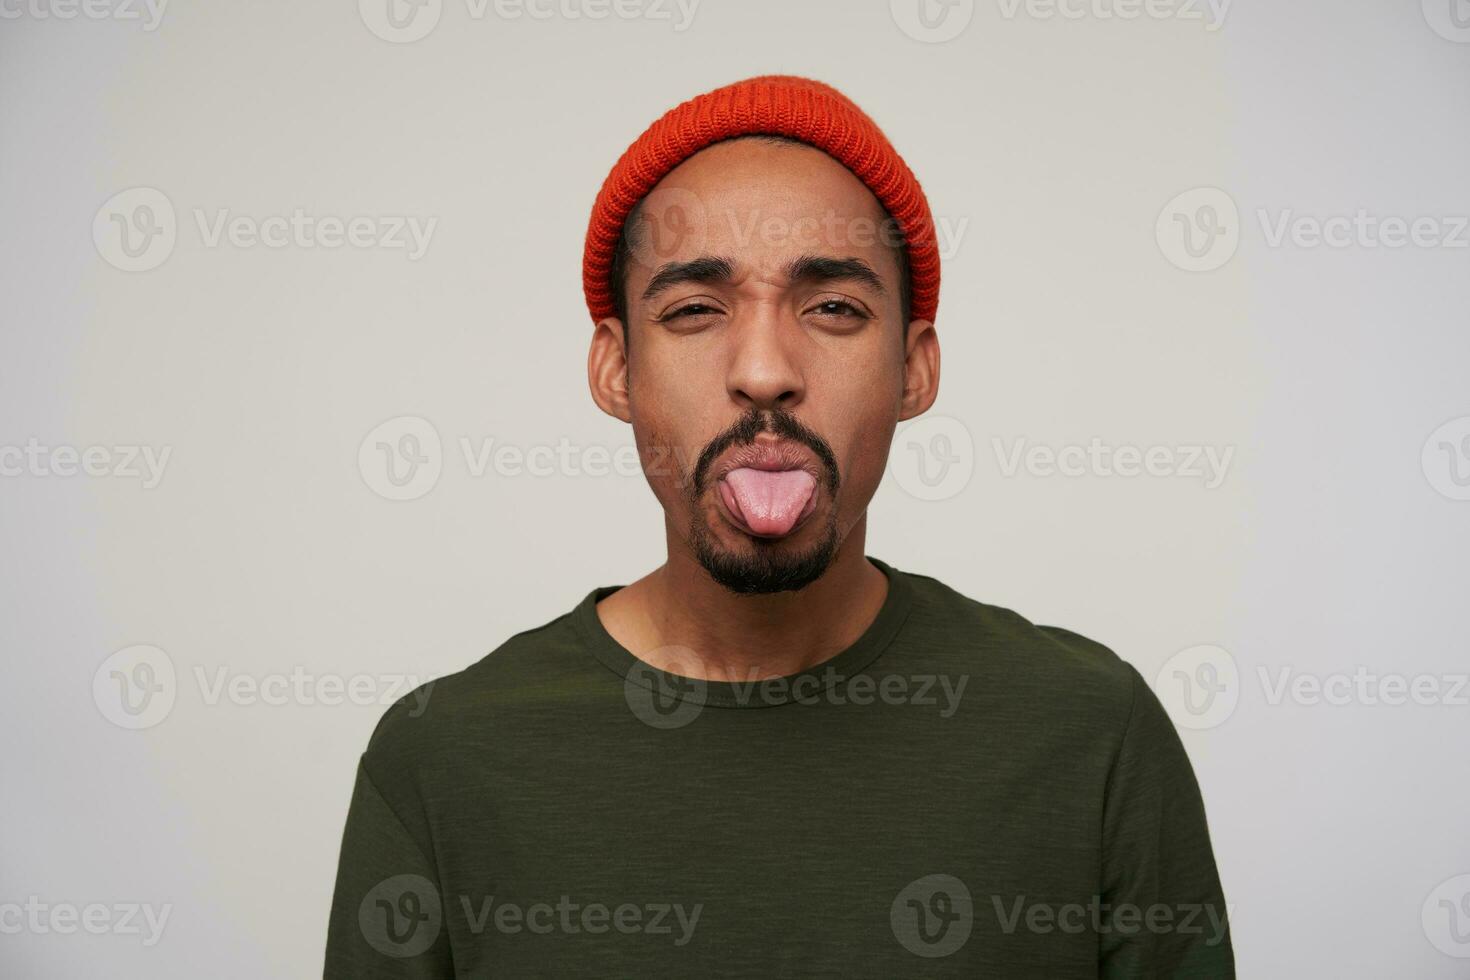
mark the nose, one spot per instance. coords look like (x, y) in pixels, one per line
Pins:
(764, 372)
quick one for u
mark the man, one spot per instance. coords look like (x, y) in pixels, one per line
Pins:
(775, 755)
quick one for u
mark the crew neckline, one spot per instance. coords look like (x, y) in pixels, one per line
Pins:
(792, 688)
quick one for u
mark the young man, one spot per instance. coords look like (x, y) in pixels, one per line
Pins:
(775, 755)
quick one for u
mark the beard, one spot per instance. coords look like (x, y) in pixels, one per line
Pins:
(770, 565)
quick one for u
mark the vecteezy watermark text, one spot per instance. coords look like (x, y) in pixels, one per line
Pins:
(39, 918)
(404, 457)
(136, 688)
(570, 917)
(1200, 229)
(1124, 918)
(123, 462)
(1363, 229)
(1201, 686)
(406, 21)
(1363, 686)
(149, 12)
(403, 915)
(1208, 464)
(1210, 12)
(302, 230)
(668, 696)
(136, 230)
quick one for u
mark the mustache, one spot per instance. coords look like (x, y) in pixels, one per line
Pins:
(744, 431)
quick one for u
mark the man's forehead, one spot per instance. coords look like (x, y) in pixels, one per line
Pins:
(760, 204)
(732, 186)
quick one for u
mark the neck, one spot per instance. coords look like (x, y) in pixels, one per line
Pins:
(680, 620)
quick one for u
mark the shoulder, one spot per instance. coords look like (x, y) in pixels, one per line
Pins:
(443, 715)
(1029, 661)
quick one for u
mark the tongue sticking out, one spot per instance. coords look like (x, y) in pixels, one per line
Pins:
(769, 501)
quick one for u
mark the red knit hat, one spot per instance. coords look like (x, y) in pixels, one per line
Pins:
(784, 105)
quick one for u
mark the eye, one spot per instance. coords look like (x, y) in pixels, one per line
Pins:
(695, 308)
(833, 307)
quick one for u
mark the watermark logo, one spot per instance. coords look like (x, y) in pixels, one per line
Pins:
(1450, 19)
(665, 699)
(932, 916)
(1199, 686)
(1446, 459)
(401, 916)
(672, 698)
(669, 221)
(1199, 230)
(932, 21)
(402, 458)
(933, 457)
(1446, 917)
(400, 21)
(674, 220)
(135, 687)
(135, 230)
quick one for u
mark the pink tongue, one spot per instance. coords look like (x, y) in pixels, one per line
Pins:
(770, 501)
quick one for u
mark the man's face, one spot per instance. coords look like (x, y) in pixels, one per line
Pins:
(766, 368)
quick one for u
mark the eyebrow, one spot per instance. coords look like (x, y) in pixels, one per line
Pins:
(705, 269)
(711, 269)
(821, 268)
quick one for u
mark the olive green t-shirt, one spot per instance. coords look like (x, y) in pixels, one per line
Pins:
(958, 793)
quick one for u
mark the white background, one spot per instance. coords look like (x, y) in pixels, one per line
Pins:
(1334, 542)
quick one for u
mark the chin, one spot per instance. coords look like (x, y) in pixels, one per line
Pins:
(763, 566)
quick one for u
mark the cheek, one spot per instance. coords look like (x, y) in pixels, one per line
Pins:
(862, 432)
(675, 413)
(868, 455)
(659, 460)
(669, 380)
(669, 443)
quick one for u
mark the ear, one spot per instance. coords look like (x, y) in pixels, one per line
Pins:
(607, 369)
(920, 370)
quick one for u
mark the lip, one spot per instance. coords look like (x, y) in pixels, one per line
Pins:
(771, 457)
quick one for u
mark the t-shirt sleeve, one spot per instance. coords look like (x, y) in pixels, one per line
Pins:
(1163, 913)
(387, 916)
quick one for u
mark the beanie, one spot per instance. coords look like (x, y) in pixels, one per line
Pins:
(783, 105)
